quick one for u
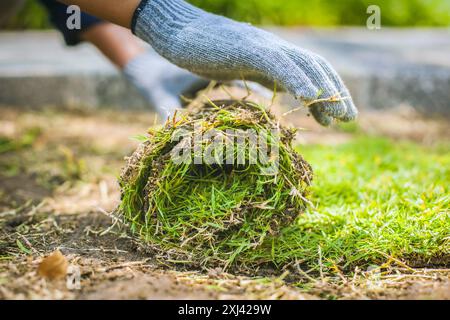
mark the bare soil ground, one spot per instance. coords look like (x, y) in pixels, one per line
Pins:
(56, 192)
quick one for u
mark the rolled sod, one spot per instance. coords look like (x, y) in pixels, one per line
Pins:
(213, 183)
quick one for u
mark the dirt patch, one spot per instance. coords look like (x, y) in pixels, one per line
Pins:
(112, 264)
(21, 188)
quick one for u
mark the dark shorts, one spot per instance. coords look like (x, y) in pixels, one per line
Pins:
(58, 17)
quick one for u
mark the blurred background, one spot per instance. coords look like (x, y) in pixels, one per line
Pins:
(398, 13)
(405, 63)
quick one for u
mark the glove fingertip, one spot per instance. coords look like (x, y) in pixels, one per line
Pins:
(320, 116)
(352, 112)
(334, 109)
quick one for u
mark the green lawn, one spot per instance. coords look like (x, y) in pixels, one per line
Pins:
(376, 201)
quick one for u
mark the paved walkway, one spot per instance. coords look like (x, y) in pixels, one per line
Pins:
(383, 69)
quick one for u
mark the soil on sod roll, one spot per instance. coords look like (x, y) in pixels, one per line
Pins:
(214, 183)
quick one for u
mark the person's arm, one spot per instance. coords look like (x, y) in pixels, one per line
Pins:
(116, 11)
(218, 48)
(115, 42)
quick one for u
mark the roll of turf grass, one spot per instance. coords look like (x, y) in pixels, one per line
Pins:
(213, 184)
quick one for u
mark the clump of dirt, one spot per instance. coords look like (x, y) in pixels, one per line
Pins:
(213, 183)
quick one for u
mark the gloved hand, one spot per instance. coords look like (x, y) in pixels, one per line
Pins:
(222, 49)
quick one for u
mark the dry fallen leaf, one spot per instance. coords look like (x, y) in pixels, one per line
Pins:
(54, 266)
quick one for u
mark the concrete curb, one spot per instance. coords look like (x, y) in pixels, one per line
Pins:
(383, 69)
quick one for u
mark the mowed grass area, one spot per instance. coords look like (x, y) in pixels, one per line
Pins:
(376, 202)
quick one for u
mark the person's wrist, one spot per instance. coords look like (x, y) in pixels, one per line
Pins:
(156, 16)
(136, 14)
(159, 21)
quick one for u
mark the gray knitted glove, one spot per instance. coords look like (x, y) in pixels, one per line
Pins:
(219, 48)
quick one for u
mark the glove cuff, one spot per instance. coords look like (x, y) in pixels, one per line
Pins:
(156, 21)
